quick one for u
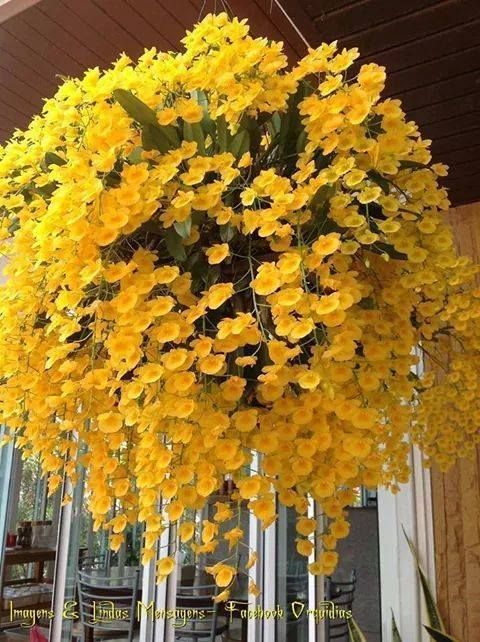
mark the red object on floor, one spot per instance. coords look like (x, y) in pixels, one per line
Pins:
(36, 635)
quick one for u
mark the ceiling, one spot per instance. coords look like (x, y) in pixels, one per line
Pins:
(431, 49)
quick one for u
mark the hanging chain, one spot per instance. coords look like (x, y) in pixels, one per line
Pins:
(217, 5)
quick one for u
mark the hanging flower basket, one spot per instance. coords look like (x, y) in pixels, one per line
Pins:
(220, 268)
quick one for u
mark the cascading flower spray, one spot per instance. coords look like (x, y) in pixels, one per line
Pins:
(211, 256)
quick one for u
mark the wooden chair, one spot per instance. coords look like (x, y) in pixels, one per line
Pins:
(98, 591)
(341, 594)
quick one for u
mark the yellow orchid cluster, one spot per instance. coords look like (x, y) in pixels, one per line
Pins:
(222, 268)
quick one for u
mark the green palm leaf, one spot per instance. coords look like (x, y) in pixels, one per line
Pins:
(434, 616)
(354, 632)
(439, 636)
(396, 637)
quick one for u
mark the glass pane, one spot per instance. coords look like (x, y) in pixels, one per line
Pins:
(89, 550)
(359, 559)
(6, 457)
(291, 581)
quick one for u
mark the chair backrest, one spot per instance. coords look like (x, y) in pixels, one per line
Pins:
(202, 620)
(108, 603)
(341, 594)
(90, 562)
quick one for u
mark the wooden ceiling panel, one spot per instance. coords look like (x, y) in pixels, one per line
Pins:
(58, 39)
(436, 92)
(412, 27)
(111, 30)
(431, 49)
(39, 46)
(13, 51)
(16, 100)
(467, 60)
(455, 108)
(77, 30)
(135, 18)
(366, 14)
(435, 46)
(185, 12)
(454, 142)
(451, 126)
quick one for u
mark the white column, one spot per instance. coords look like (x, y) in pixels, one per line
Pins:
(61, 565)
(410, 509)
(270, 571)
(152, 629)
(255, 542)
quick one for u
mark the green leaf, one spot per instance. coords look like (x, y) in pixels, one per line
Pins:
(14, 225)
(396, 637)
(174, 245)
(208, 125)
(301, 142)
(405, 164)
(291, 127)
(198, 217)
(171, 133)
(386, 248)
(194, 132)
(367, 303)
(183, 228)
(227, 232)
(434, 617)
(135, 157)
(274, 124)
(197, 265)
(240, 143)
(135, 108)
(380, 181)
(439, 636)
(254, 128)
(321, 197)
(53, 159)
(223, 135)
(155, 138)
(212, 275)
(354, 632)
(46, 191)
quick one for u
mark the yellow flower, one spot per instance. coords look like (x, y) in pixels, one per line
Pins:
(126, 329)
(326, 244)
(249, 487)
(304, 547)
(175, 510)
(109, 422)
(165, 566)
(224, 575)
(126, 300)
(166, 116)
(212, 364)
(289, 262)
(309, 380)
(186, 531)
(174, 359)
(118, 523)
(206, 486)
(306, 526)
(190, 111)
(217, 253)
(340, 529)
(150, 372)
(267, 280)
(233, 536)
(218, 294)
